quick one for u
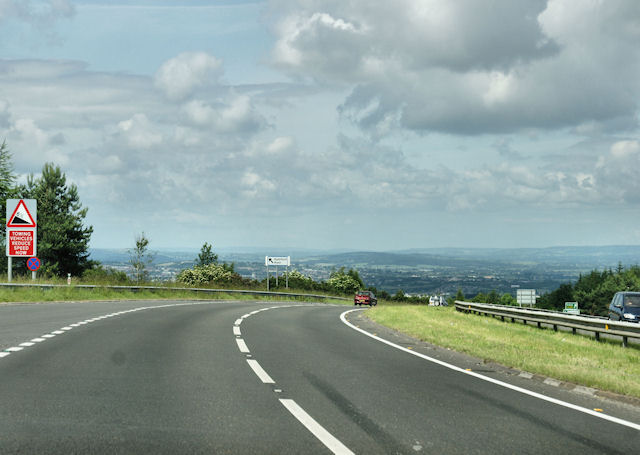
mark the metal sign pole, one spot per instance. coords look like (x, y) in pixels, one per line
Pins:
(9, 271)
(276, 276)
(33, 276)
(287, 275)
(267, 278)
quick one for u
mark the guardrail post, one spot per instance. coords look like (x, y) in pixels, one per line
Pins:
(624, 342)
(555, 328)
(597, 336)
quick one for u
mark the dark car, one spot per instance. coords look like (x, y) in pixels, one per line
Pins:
(625, 306)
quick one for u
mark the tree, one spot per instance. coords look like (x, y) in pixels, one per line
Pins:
(342, 282)
(353, 273)
(63, 239)
(207, 256)
(460, 295)
(140, 258)
(7, 191)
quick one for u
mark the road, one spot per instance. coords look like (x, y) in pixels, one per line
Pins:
(260, 377)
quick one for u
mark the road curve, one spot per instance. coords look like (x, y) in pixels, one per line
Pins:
(254, 377)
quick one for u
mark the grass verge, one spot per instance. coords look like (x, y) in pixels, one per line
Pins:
(66, 293)
(578, 359)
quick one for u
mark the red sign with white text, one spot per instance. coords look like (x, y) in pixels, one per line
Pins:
(21, 243)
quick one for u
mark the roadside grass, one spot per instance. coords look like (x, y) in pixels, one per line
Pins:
(74, 293)
(604, 365)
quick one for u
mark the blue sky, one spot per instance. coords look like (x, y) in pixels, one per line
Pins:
(332, 124)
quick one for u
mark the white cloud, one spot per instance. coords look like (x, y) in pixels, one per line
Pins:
(624, 149)
(234, 115)
(180, 76)
(139, 132)
(468, 67)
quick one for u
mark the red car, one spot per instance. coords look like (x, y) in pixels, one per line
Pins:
(365, 298)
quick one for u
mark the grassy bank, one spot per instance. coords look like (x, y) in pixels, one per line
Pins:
(604, 365)
(73, 293)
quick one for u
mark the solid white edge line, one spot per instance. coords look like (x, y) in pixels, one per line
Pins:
(242, 346)
(494, 381)
(259, 371)
(315, 428)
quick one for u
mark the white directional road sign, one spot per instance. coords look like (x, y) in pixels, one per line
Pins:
(283, 260)
(526, 297)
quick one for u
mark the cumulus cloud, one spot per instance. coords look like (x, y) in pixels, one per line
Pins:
(468, 67)
(180, 76)
(236, 115)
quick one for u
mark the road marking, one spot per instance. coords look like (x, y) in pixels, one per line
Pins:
(14, 349)
(57, 332)
(66, 328)
(4, 354)
(38, 340)
(236, 330)
(492, 380)
(238, 322)
(242, 345)
(315, 428)
(259, 371)
(26, 344)
(48, 335)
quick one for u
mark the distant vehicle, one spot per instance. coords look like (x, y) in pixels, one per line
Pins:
(437, 300)
(625, 306)
(365, 298)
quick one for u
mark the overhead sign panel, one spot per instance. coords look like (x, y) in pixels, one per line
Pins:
(283, 260)
(19, 215)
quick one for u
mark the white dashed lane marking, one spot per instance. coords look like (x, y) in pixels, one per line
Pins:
(66, 328)
(326, 438)
(242, 346)
(259, 371)
(315, 428)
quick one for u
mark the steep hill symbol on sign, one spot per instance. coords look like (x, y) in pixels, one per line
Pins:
(21, 217)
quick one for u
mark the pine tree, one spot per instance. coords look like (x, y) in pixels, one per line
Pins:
(63, 239)
(207, 256)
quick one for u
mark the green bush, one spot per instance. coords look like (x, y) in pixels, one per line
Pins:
(206, 274)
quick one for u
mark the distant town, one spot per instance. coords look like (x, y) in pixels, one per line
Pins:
(415, 272)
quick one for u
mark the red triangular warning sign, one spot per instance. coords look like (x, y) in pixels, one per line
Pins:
(21, 217)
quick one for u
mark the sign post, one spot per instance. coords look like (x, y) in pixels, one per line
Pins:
(21, 230)
(276, 261)
(33, 264)
(526, 297)
(571, 308)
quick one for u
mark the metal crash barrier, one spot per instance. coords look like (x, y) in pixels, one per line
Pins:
(594, 324)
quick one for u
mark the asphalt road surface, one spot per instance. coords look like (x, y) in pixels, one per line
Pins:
(263, 377)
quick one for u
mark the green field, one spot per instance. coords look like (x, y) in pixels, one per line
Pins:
(578, 359)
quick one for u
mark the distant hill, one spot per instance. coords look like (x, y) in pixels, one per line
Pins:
(420, 271)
